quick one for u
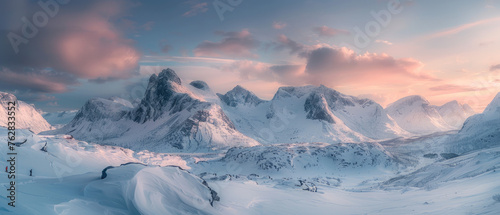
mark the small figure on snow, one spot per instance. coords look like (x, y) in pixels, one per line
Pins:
(31, 172)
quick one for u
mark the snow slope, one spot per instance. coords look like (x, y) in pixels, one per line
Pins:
(416, 115)
(26, 116)
(455, 114)
(479, 131)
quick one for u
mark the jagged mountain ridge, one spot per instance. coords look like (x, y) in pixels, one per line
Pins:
(190, 117)
(311, 114)
(169, 118)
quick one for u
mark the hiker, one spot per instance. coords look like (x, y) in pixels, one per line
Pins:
(6, 169)
(31, 172)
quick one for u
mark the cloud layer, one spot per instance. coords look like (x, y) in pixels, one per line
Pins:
(233, 45)
(80, 41)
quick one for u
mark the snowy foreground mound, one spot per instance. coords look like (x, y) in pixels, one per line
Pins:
(137, 189)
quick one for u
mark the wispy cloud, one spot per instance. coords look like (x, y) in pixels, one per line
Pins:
(453, 88)
(279, 25)
(384, 42)
(326, 31)
(460, 28)
(196, 9)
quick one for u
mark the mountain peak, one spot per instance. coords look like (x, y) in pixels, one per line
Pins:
(239, 95)
(410, 101)
(169, 75)
(494, 105)
(7, 96)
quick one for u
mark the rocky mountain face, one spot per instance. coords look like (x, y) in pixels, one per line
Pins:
(26, 116)
(169, 117)
(312, 114)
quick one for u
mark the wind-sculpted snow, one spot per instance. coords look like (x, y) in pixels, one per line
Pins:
(26, 116)
(140, 189)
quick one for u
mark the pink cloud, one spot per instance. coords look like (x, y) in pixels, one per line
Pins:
(342, 66)
(34, 81)
(279, 25)
(234, 44)
(326, 31)
(81, 41)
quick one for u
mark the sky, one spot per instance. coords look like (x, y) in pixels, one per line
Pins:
(57, 54)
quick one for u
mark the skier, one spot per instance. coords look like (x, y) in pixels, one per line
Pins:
(31, 172)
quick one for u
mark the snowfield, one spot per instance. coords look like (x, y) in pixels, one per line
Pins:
(259, 180)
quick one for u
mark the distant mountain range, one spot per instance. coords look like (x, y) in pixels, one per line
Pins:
(175, 116)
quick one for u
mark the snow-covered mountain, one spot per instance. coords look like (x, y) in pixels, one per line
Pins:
(60, 118)
(308, 114)
(455, 114)
(479, 131)
(26, 116)
(416, 115)
(188, 117)
(171, 116)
